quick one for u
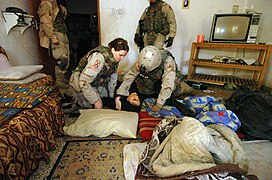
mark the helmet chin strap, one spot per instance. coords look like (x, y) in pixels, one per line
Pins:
(142, 69)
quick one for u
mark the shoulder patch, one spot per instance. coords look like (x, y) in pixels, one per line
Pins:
(96, 65)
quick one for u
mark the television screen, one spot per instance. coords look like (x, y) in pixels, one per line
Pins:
(236, 28)
(231, 27)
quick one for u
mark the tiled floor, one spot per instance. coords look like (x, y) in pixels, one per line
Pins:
(260, 158)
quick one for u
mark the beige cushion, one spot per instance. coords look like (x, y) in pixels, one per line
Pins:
(26, 80)
(104, 122)
(19, 72)
(4, 62)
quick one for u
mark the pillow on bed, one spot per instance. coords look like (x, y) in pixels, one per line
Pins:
(104, 122)
(26, 80)
(19, 72)
(4, 62)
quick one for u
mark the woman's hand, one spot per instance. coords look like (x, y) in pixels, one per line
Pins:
(118, 104)
(98, 104)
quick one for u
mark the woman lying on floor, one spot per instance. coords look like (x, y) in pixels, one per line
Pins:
(136, 101)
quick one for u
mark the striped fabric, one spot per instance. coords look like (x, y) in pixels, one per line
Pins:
(146, 125)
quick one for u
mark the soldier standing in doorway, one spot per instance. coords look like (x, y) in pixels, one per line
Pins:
(157, 26)
(53, 36)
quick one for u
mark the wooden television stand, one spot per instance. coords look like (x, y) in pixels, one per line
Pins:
(259, 69)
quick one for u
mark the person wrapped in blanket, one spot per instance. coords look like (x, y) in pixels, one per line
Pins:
(96, 75)
(154, 75)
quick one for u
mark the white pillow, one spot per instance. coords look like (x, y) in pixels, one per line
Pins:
(19, 72)
(4, 62)
(104, 122)
(26, 80)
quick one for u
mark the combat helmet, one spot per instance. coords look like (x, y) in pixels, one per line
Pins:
(149, 58)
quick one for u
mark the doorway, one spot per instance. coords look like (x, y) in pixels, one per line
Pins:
(79, 19)
(83, 29)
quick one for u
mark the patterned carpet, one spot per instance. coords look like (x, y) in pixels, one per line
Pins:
(87, 159)
(91, 159)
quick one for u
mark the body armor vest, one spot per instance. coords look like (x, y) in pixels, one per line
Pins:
(109, 67)
(59, 23)
(150, 82)
(155, 20)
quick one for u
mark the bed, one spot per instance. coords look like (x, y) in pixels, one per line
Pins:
(31, 119)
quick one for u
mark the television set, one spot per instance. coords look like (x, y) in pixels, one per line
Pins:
(235, 28)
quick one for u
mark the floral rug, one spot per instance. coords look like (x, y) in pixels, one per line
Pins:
(91, 159)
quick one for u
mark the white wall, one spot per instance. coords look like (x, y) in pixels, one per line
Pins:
(264, 6)
(21, 49)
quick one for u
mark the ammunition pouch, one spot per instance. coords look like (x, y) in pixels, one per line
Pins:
(60, 27)
(162, 27)
(59, 23)
(156, 21)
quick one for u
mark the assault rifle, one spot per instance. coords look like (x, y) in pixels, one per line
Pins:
(141, 31)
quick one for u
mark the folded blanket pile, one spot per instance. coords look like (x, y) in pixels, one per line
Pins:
(183, 145)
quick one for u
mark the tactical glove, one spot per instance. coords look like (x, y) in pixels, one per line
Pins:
(169, 42)
(138, 40)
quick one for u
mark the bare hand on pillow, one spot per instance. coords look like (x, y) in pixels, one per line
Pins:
(118, 104)
(98, 104)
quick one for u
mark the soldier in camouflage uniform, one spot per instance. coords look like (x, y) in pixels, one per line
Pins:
(156, 75)
(157, 24)
(96, 75)
(53, 36)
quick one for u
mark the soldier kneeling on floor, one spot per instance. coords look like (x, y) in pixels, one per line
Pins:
(155, 75)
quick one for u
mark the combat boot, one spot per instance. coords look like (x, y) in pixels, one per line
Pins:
(182, 90)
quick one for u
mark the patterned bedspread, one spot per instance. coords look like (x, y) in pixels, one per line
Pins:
(15, 98)
(30, 134)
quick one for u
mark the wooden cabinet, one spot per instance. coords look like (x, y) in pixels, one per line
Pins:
(258, 69)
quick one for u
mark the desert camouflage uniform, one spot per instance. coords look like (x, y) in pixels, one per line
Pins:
(157, 22)
(96, 75)
(164, 80)
(53, 34)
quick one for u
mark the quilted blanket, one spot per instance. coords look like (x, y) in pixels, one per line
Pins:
(208, 110)
(29, 136)
(185, 145)
(14, 98)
